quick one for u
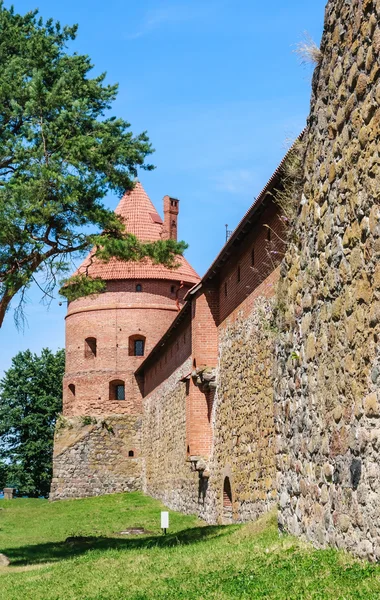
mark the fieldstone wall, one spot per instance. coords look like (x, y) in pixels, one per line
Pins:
(93, 456)
(167, 474)
(328, 359)
(244, 444)
(241, 413)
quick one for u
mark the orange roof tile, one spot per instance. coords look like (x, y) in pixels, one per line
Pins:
(141, 219)
(139, 215)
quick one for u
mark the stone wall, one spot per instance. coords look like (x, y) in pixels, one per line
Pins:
(93, 456)
(243, 422)
(167, 474)
(241, 416)
(327, 383)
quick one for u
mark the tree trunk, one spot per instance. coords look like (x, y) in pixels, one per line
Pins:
(4, 303)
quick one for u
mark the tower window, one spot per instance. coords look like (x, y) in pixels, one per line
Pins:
(120, 392)
(131, 453)
(71, 387)
(90, 347)
(238, 274)
(139, 348)
(268, 234)
(117, 390)
(136, 345)
(139, 287)
(172, 289)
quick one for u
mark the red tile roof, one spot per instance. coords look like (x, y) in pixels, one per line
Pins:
(139, 215)
(141, 219)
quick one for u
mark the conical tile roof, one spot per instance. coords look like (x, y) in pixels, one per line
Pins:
(141, 219)
(139, 215)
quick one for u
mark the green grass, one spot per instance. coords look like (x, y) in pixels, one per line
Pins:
(193, 562)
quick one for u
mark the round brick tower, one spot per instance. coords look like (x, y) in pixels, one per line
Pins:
(108, 336)
(97, 443)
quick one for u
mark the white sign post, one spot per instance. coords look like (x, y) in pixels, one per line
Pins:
(164, 521)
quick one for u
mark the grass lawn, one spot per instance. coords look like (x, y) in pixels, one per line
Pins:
(193, 562)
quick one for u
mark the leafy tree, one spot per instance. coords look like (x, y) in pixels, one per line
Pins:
(30, 400)
(60, 154)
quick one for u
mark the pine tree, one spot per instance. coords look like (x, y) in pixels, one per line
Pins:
(60, 154)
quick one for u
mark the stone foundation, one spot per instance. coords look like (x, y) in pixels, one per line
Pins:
(93, 456)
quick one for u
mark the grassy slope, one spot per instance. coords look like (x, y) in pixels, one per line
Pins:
(194, 562)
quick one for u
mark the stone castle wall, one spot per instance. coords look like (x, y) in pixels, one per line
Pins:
(328, 358)
(167, 474)
(243, 423)
(93, 456)
(241, 415)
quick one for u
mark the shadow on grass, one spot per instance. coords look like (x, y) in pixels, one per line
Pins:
(56, 551)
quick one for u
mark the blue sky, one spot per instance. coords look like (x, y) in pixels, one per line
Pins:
(218, 87)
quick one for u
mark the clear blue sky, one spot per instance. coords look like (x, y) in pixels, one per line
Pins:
(220, 91)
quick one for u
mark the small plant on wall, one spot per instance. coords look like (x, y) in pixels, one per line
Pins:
(108, 427)
(86, 420)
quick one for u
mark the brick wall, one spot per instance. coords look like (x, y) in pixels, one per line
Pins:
(253, 261)
(112, 318)
(205, 315)
(170, 358)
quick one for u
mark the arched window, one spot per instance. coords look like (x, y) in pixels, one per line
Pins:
(227, 493)
(90, 347)
(136, 345)
(131, 454)
(71, 387)
(117, 390)
(139, 287)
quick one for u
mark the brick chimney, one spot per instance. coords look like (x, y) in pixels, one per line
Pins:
(171, 210)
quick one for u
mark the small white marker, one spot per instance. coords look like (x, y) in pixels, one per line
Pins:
(164, 520)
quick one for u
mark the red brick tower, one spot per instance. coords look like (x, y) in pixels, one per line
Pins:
(107, 337)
